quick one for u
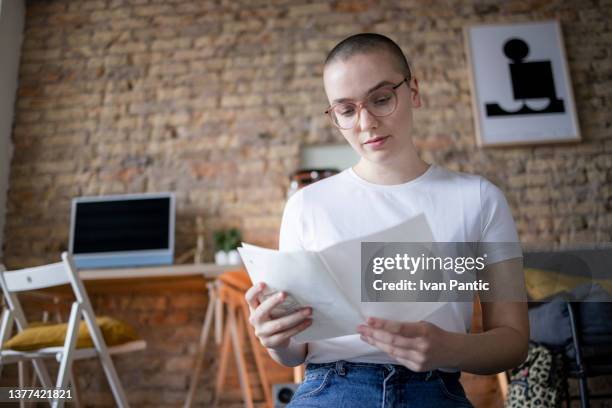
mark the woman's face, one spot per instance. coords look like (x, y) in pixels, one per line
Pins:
(376, 139)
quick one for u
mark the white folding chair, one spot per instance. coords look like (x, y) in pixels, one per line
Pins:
(46, 276)
(53, 303)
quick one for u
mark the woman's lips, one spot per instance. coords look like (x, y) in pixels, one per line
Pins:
(376, 142)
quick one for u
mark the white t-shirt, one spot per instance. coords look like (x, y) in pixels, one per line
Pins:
(459, 208)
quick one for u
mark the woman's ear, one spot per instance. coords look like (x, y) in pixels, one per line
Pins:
(415, 96)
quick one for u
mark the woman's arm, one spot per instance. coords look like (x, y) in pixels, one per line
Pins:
(276, 333)
(291, 356)
(505, 323)
(496, 349)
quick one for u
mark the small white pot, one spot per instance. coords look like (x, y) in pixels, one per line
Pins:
(233, 257)
(221, 258)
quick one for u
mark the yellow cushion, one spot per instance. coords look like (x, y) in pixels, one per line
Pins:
(543, 283)
(40, 335)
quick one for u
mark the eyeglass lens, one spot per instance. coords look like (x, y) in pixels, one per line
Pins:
(381, 102)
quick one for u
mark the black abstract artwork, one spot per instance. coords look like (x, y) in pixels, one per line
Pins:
(530, 80)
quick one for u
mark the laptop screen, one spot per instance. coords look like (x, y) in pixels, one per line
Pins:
(121, 225)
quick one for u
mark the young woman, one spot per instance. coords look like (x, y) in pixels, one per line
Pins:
(372, 94)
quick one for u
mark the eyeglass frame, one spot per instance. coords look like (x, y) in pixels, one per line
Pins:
(361, 104)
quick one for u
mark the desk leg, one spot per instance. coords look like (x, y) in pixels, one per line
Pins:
(502, 381)
(225, 349)
(243, 374)
(218, 319)
(212, 300)
(22, 375)
(298, 374)
(263, 377)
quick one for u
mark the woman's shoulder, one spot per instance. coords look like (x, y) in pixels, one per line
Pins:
(456, 176)
(480, 183)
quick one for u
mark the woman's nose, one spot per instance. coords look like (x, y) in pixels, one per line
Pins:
(367, 120)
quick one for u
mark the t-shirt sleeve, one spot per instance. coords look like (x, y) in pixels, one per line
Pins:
(498, 239)
(291, 231)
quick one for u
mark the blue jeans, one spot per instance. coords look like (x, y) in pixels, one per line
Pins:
(355, 385)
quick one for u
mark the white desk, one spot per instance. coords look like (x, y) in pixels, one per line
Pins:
(206, 270)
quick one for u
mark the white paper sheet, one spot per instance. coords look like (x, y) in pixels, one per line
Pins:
(344, 262)
(305, 278)
(330, 282)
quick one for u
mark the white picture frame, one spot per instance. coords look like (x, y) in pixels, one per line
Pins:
(520, 86)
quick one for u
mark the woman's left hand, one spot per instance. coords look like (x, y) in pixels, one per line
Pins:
(420, 346)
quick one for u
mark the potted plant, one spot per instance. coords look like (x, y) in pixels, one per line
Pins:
(226, 242)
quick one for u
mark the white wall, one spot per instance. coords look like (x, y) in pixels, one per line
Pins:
(12, 16)
(340, 156)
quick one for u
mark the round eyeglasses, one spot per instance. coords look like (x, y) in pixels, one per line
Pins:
(380, 102)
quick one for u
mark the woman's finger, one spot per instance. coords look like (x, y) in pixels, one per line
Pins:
(275, 326)
(393, 351)
(280, 337)
(252, 295)
(395, 340)
(262, 312)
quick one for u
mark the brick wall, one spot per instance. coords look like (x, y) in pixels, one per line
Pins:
(212, 100)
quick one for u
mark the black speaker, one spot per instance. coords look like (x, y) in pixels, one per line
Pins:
(282, 393)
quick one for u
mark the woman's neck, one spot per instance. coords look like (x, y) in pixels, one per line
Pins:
(389, 174)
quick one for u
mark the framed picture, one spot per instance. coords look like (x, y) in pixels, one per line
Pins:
(521, 90)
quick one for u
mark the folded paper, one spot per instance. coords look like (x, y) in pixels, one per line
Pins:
(329, 281)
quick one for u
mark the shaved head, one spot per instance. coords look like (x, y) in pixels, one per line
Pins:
(369, 43)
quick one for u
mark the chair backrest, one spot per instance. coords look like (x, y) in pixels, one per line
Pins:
(40, 277)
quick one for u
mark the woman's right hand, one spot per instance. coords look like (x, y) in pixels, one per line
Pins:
(274, 333)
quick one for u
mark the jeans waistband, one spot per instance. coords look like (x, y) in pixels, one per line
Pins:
(342, 367)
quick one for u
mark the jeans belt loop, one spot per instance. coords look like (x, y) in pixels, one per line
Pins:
(340, 367)
(429, 374)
